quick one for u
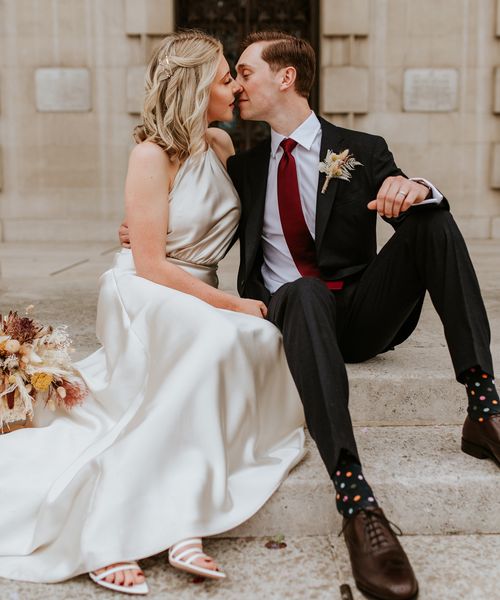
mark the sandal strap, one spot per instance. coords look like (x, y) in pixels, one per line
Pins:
(191, 559)
(184, 543)
(185, 553)
(124, 567)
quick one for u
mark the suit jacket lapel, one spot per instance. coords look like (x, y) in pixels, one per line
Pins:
(330, 140)
(257, 178)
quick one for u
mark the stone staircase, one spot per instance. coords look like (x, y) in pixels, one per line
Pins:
(421, 479)
(408, 428)
(407, 409)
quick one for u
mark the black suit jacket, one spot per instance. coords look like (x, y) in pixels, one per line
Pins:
(345, 229)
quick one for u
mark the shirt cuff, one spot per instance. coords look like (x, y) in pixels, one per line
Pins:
(437, 196)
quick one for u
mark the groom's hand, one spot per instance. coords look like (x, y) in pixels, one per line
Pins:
(123, 235)
(396, 195)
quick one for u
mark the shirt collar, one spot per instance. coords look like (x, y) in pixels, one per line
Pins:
(304, 135)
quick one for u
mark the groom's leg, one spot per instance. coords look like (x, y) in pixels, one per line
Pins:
(305, 311)
(308, 314)
(427, 252)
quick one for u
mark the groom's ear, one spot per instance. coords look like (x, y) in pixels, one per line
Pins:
(287, 77)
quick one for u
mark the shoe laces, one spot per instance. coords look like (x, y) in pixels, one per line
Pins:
(377, 527)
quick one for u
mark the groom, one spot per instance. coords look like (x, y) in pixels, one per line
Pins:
(308, 250)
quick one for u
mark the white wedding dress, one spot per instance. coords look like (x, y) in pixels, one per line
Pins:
(193, 420)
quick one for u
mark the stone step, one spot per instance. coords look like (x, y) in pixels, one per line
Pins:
(32, 261)
(413, 385)
(420, 476)
(70, 230)
(408, 386)
(444, 566)
(307, 568)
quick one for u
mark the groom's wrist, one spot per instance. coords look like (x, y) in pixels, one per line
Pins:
(422, 182)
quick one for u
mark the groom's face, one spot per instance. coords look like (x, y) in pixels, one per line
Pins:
(260, 85)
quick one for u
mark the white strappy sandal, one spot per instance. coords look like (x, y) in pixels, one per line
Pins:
(137, 589)
(184, 560)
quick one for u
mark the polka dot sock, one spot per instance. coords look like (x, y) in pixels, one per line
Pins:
(353, 491)
(482, 393)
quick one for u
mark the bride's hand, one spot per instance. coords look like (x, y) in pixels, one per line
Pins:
(256, 308)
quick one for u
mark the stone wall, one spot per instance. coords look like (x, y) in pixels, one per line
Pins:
(70, 90)
(425, 75)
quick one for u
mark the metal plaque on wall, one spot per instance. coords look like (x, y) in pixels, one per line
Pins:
(430, 90)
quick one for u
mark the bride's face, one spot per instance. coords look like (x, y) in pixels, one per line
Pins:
(222, 94)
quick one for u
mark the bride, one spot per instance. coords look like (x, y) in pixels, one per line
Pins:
(192, 420)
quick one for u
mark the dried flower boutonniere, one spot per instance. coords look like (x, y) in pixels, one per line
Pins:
(337, 166)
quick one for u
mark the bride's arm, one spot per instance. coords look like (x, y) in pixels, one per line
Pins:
(149, 178)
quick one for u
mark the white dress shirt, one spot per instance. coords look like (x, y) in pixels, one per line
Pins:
(278, 267)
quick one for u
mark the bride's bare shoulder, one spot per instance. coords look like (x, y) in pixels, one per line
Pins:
(147, 152)
(219, 136)
(220, 142)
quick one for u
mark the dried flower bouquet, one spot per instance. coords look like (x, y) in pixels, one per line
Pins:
(35, 366)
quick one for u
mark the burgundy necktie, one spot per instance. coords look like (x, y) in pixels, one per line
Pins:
(297, 235)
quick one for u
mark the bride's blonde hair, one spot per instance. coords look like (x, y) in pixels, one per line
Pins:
(178, 81)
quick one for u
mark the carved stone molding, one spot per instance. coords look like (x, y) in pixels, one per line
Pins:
(496, 91)
(344, 83)
(135, 89)
(345, 17)
(495, 167)
(345, 90)
(149, 17)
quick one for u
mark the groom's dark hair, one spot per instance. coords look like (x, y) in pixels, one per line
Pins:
(286, 50)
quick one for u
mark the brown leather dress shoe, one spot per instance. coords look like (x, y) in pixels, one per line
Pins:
(482, 440)
(379, 563)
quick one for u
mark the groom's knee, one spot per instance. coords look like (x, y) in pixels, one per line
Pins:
(307, 290)
(305, 299)
(432, 218)
(434, 225)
